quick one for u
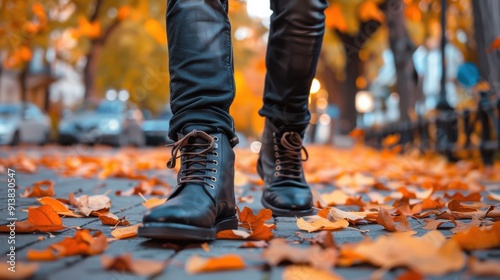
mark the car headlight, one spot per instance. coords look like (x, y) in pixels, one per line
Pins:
(110, 125)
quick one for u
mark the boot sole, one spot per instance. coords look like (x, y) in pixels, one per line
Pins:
(180, 232)
(281, 212)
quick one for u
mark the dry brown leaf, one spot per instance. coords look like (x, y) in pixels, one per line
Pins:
(126, 232)
(386, 220)
(110, 219)
(260, 232)
(456, 206)
(295, 272)
(459, 226)
(484, 268)
(410, 275)
(196, 264)
(337, 197)
(323, 238)
(125, 263)
(38, 191)
(249, 220)
(20, 270)
(479, 238)
(83, 243)
(317, 223)
(423, 255)
(475, 196)
(315, 256)
(42, 218)
(431, 224)
(353, 217)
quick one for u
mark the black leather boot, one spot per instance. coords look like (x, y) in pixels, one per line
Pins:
(286, 191)
(203, 201)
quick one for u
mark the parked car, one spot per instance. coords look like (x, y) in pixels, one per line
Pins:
(23, 123)
(113, 122)
(155, 130)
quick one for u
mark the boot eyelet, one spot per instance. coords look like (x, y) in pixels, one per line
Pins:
(216, 138)
(215, 154)
(213, 179)
(214, 170)
(278, 161)
(276, 174)
(276, 154)
(215, 162)
(216, 146)
(275, 147)
(278, 167)
(211, 186)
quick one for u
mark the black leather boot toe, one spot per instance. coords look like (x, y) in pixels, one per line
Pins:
(286, 191)
(203, 201)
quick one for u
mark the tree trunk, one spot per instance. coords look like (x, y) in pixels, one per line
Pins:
(352, 46)
(486, 23)
(402, 48)
(22, 83)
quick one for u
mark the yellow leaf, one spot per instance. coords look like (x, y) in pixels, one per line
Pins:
(317, 223)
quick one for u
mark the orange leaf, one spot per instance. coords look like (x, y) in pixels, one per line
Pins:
(476, 196)
(196, 264)
(479, 238)
(279, 251)
(83, 243)
(260, 232)
(126, 232)
(42, 218)
(58, 206)
(125, 263)
(37, 190)
(317, 223)
(388, 222)
(455, 205)
(153, 202)
(249, 220)
(110, 219)
(484, 268)
(123, 12)
(494, 45)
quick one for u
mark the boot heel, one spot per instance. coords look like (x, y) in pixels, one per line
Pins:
(228, 223)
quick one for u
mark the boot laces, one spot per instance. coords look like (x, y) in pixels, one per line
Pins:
(288, 154)
(194, 158)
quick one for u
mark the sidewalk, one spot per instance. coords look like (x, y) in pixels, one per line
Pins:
(78, 267)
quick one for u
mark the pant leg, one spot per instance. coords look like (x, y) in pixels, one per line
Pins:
(295, 38)
(201, 66)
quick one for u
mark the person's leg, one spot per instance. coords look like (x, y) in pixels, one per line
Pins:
(202, 89)
(295, 38)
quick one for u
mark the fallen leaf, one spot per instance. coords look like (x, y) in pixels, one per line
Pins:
(83, 243)
(249, 220)
(113, 220)
(479, 238)
(386, 220)
(318, 223)
(493, 196)
(294, 272)
(459, 226)
(38, 191)
(461, 197)
(431, 224)
(323, 238)
(88, 204)
(315, 256)
(337, 197)
(126, 232)
(410, 275)
(58, 206)
(353, 217)
(260, 232)
(196, 264)
(484, 268)
(422, 255)
(22, 270)
(125, 263)
(153, 202)
(42, 218)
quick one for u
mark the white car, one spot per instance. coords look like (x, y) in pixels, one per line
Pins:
(23, 123)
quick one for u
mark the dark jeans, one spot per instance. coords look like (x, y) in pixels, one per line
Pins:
(201, 63)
